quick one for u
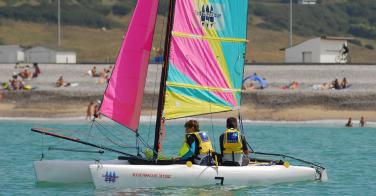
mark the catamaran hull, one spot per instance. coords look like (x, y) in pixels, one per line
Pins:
(106, 176)
(66, 171)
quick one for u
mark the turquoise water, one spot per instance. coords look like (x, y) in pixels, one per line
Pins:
(347, 153)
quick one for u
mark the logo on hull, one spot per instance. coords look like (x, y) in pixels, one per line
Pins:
(110, 177)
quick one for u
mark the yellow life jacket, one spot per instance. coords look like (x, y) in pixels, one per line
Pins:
(204, 143)
(232, 142)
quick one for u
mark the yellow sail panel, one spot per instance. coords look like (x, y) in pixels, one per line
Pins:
(178, 105)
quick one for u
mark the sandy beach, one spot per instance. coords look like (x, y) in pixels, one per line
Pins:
(272, 103)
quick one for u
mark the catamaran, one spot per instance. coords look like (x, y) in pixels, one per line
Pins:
(202, 73)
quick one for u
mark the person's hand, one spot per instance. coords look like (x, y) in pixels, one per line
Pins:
(247, 152)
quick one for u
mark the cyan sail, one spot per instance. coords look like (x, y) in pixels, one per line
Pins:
(206, 57)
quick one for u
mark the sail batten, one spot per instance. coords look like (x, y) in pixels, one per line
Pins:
(206, 57)
(223, 39)
(123, 96)
(208, 88)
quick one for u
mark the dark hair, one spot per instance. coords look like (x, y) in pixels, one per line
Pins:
(232, 123)
(192, 124)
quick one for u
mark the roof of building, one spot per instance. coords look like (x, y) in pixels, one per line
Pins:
(51, 48)
(323, 38)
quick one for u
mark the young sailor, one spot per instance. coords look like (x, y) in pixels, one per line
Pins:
(197, 146)
(233, 144)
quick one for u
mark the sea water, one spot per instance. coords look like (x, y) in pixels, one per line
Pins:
(349, 154)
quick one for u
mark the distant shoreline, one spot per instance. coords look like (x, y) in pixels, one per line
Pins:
(144, 119)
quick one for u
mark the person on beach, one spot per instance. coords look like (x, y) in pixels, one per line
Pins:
(37, 70)
(344, 83)
(362, 121)
(90, 111)
(197, 146)
(349, 123)
(15, 83)
(96, 113)
(25, 73)
(293, 85)
(233, 145)
(60, 82)
(336, 85)
(94, 72)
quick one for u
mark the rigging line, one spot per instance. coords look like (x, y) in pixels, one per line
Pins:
(212, 128)
(42, 155)
(75, 150)
(143, 141)
(113, 126)
(46, 132)
(210, 104)
(157, 70)
(99, 126)
(291, 157)
(137, 143)
(147, 145)
(91, 128)
(98, 138)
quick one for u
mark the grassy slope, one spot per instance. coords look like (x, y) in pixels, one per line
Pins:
(97, 45)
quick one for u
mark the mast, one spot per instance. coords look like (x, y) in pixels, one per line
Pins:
(162, 86)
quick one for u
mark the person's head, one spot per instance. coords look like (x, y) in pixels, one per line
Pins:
(231, 123)
(191, 126)
(350, 119)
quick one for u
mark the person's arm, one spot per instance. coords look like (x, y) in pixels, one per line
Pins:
(221, 144)
(245, 146)
(191, 151)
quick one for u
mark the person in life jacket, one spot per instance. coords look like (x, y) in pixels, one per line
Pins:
(197, 146)
(233, 145)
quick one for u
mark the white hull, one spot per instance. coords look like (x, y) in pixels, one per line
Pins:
(144, 176)
(66, 171)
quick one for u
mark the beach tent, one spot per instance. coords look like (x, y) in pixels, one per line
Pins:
(261, 81)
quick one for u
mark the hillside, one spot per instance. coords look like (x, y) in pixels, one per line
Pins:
(94, 28)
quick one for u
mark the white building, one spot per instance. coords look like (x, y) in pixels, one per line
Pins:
(11, 54)
(47, 55)
(307, 2)
(316, 50)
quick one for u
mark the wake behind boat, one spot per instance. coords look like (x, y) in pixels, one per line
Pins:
(202, 74)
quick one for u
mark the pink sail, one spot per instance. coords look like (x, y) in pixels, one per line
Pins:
(122, 99)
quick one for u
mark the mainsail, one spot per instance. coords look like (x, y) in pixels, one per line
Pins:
(123, 96)
(206, 57)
